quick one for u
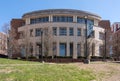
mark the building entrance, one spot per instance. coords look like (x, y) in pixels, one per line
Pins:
(62, 49)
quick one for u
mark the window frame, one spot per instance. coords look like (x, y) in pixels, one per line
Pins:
(55, 31)
(71, 33)
(38, 32)
(79, 33)
(62, 31)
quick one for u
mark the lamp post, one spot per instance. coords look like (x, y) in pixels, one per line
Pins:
(41, 45)
(87, 60)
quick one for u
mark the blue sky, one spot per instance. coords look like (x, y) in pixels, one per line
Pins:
(107, 9)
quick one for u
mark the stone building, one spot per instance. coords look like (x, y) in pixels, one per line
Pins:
(59, 32)
(3, 43)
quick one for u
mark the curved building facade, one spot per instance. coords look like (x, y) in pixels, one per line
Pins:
(59, 32)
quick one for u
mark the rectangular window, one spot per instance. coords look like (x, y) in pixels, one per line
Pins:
(39, 20)
(70, 19)
(32, 21)
(78, 49)
(71, 31)
(38, 32)
(62, 19)
(63, 32)
(79, 32)
(62, 49)
(71, 49)
(31, 32)
(80, 20)
(55, 31)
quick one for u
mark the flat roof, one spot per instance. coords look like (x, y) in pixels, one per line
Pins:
(60, 11)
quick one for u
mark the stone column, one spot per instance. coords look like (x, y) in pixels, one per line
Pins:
(74, 18)
(75, 50)
(57, 31)
(68, 49)
(50, 18)
(43, 44)
(34, 48)
(67, 31)
(27, 21)
(58, 48)
(82, 49)
(50, 42)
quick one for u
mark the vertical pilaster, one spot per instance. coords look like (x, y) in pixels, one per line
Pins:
(58, 48)
(43, 43)
(74, 18)
(57, 31)
(34, 49)
(50, 18)
(82, 49)
(50, 41)
(67, 31)
(75, 31)
(27, 21)
(75, 50)
(68, 49)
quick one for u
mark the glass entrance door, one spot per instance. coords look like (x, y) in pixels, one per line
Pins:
(62, 49)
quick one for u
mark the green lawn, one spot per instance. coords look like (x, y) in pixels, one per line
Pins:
(15, 70)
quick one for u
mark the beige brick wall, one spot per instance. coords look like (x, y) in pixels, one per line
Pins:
(64, 39)
(3, 43)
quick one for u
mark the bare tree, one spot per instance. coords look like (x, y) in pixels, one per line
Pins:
(5, 29)
(106, 38)
(13, 45)
(25, 43)
(12, 42)
(47, 41)
(116, 45)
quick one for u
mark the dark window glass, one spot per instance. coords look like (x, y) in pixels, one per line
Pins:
(38, 32)
(39, 20)
(80, 20)
(62, 49)
(71, 32)
(71, 49)
(63, 32)
(62, 19)
(78, 49)
(79, 32)
(54, 31)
